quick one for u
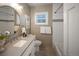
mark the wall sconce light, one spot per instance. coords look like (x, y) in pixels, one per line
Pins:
(16, 28)
(17, 7)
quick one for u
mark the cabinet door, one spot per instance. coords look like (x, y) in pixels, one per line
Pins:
(73, 30)
(30, 50)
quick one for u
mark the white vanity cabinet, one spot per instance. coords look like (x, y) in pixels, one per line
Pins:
(30, 51)
(24, 46)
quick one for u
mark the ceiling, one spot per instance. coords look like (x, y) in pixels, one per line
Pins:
(37, 4)
(29, 4)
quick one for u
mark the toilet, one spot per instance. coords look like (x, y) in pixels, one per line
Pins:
(37, 44)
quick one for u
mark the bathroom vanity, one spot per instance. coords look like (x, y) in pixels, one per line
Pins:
(23, 46)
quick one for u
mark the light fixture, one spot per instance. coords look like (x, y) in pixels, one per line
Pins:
(16, 28)
(16, 6)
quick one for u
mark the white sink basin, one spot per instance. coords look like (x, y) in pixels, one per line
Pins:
(20, 43)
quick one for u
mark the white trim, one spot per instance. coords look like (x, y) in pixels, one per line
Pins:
(57, 49)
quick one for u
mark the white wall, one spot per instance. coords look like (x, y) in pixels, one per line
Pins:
(58, 28)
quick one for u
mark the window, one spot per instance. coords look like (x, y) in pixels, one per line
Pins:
(41, 18)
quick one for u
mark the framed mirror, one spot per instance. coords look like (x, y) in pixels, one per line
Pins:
(13, 18)
(9, 19)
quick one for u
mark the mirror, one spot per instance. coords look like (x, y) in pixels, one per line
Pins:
(25, 22)
(12, 17)
(9, 20)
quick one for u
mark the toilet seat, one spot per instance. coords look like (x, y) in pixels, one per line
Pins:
(38, 43)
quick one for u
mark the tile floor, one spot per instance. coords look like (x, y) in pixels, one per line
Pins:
(46, 51)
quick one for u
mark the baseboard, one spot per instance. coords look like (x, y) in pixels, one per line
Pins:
(57, 50)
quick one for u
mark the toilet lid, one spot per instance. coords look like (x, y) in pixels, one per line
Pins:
(38, 42)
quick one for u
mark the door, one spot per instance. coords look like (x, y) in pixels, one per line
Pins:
(73, 30)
